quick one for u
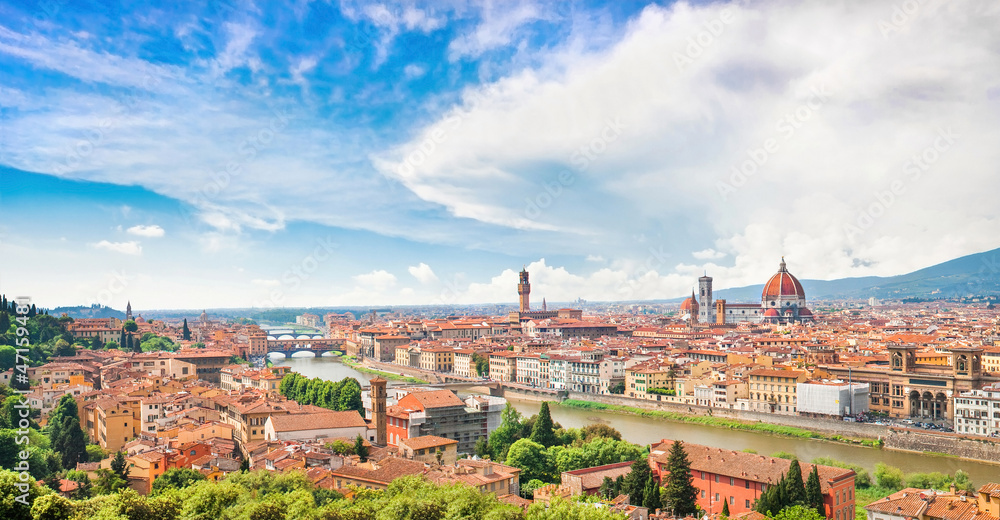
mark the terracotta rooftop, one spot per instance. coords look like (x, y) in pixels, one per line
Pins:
(320, 421)
(427, 441)
(748, 466)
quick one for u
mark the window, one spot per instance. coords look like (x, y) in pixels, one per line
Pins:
(732, 481)
(716, 497)
(716, 480)
(732, 500)
(747, 482)
(703, 493)
(747, 503)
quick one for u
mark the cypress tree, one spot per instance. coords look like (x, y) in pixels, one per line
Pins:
(186, 331)
(795, 490)
(652, 494)
(814, 493)
(768, 503)
(635, 482)
(607, 487)
(681, 496)
(360, 449)
(543, 431)
(725, 509)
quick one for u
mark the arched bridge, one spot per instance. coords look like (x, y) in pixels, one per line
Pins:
(317, 346)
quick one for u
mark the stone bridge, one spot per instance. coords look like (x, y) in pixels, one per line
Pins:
(317, 346)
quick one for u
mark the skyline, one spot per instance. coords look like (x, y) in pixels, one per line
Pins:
(419, 153)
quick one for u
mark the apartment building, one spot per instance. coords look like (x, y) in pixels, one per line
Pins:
(775, 390)
(977, 412)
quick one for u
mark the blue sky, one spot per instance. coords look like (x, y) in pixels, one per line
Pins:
(365, 153)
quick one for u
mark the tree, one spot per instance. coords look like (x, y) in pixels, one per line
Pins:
(244, 465)
(8, 355)
(725, 509)
(505, 434)
(529, 487)
(795, 490)
(814, 493)
(185, 331)
(635, 483)
(482, 448)
(543, 432)
(617, 388)
(360, 449)
(607, 489)
(888, 477)
(176, 478)
(798, 513)
(108, 482)
(119, 466)
(52, 507)
(349, 397)
(73, 446)
(63, 348)
(532, 459)
(83, 484)
(4, 321)
(681, 496)
(96, 343)
(592, 431)
(651, 495)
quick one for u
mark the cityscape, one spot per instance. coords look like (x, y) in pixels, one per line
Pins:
(515, 260)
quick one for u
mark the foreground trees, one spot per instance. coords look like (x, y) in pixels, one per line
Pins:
(262, 495)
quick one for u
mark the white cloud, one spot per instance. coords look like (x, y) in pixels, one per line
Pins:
(413, 71)
(647, 134)
(708, 254)
(499, 24)
(423, 273)
(236, 52)
(378, 280)
(128, 248)
(595, 258)
(151, 231)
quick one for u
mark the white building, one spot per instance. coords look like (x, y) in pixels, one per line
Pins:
(978, 411)
(832, 398)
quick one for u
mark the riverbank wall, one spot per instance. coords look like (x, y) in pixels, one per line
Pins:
(967, 447)
(392, 368)
(848, 429)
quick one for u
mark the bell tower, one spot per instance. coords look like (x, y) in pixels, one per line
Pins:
(523, 291)
(378, 394)
(706, 304)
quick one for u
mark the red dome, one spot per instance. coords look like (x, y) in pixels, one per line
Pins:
(689, 304)
(805, 312)
(782, 284)
(771, 313)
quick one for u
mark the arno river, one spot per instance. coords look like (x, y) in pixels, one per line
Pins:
(644, 430)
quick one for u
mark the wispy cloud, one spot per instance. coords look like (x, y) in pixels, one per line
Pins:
(127, 248)
(151, 231)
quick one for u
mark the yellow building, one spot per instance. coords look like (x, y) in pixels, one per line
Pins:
(437, 359)
(775, 390)
(112, 422)
(638, 381)
(427, 448)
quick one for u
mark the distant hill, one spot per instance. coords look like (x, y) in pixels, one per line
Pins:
(93, 311)
(977, 274)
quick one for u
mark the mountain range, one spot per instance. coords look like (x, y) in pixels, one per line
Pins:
(972, 275)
